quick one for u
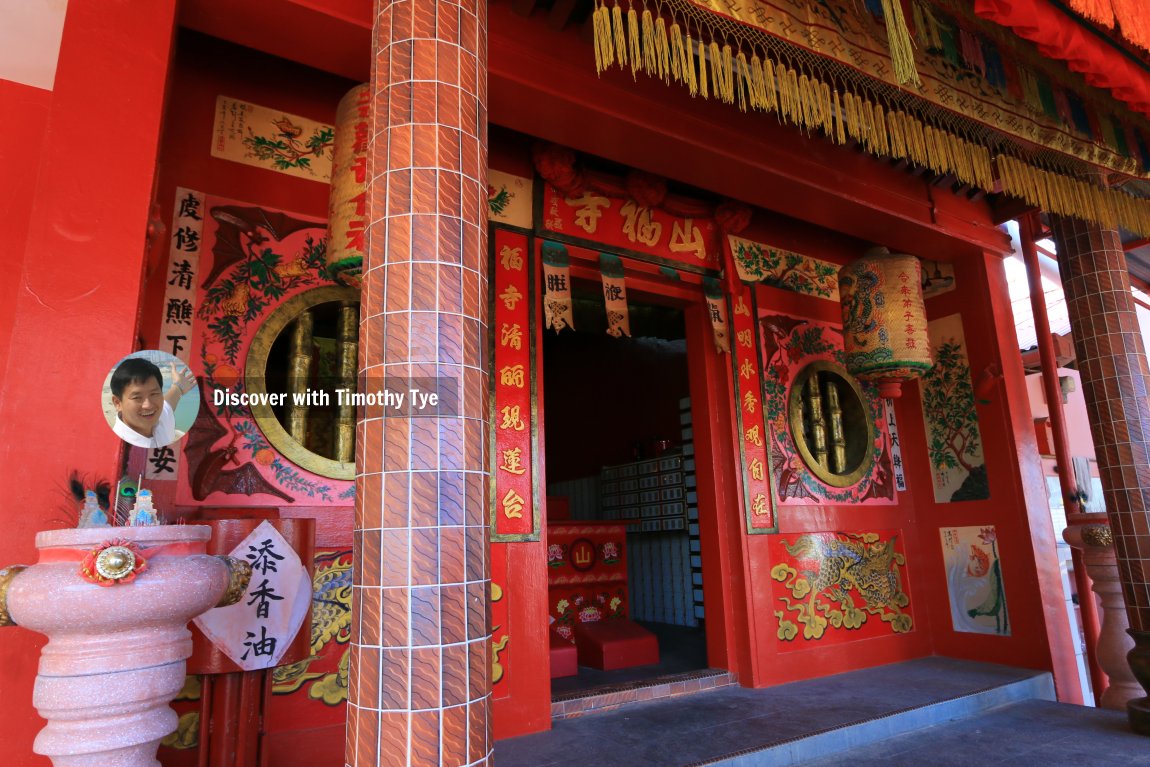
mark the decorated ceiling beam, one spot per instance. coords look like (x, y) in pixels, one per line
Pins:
(990, 110)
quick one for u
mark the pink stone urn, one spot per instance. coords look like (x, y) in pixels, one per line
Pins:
(116, 651)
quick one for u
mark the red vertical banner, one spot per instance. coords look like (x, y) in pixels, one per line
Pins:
(754, 439)
(514, 513)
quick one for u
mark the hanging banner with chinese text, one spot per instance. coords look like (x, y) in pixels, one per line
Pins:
(514, 509)
(625, 225)
(717, 311)
(163, 463)
(615, 295)
(557, 310)
(895, 448)
(257, 631)
(754, 449)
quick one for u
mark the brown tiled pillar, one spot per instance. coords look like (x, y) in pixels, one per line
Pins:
(1112, 362)
(419, 689)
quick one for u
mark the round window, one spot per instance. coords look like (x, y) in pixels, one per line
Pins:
(831, 424)
(305, 352)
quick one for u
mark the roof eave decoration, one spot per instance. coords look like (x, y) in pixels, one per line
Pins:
(987, 107)
(1130, 16)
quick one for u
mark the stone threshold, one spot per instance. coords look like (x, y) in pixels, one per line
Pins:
(608, 697)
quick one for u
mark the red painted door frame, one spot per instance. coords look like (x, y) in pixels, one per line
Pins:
(728, 643)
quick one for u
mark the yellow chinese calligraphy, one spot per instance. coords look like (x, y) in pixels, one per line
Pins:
(741, 308)
(512, 505)
(756, 469)
(687, 238)
(511, 258)
(511, 418)
(746, 370)
(753, 436)
(513, 461)
(511, 336)
(750, 402)
(746, 338)
(511, 297)
(512, 375)
(759, 505)
(637, 224)
(588, 211)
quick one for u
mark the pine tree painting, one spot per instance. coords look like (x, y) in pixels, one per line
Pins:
(954, 442)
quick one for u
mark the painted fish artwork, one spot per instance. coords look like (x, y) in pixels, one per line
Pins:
(974, 580)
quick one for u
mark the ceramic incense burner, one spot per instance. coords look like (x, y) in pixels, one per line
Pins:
(114, 604)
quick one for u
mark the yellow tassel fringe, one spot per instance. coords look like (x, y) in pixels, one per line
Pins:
(805, 100)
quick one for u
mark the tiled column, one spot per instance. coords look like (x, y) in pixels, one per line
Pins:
(1112, 362)
(419, 688)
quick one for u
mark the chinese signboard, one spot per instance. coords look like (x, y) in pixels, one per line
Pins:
(624, 224)
(514, 513)
(256, 631)
(754, 450)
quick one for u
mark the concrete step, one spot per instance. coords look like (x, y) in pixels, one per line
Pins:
(1022, 734)
(835, 742)
(790, 724)
(657, 688)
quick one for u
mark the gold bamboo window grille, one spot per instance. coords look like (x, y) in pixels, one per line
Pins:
(831, 424)
(308, 348)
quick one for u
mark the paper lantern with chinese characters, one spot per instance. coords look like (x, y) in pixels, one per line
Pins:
(884, 320)
(347, 201)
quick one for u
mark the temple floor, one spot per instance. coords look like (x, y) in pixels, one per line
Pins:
(681, 649)
(929, 711)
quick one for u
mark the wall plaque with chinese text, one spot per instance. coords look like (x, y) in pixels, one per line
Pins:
(514, 508)
(257, 631)
(271, 139)
(625, 225)
(754, 444)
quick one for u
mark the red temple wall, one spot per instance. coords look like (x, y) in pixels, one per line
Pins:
(79, 164)
(68, 235)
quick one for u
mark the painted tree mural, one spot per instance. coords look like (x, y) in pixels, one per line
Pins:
(954, 442)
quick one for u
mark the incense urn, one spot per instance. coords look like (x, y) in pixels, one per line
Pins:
(114, 604)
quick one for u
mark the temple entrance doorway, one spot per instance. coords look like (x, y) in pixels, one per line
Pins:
(624, 558)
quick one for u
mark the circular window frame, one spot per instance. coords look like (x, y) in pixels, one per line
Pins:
(798, 430)
(255, 379)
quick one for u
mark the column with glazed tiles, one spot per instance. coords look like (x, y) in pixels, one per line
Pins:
(419, 681)
(1112, 362)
